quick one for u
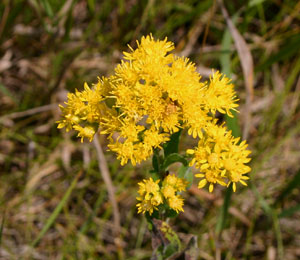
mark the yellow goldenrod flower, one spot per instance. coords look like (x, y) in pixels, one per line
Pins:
(220, 95)
(170, 188)
(220, 159)
(234, 163)
(86, 131)
(151, 95)
(176, 203)
(84, 109)
(150, 196)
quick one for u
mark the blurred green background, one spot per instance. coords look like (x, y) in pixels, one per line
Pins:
(53, 201)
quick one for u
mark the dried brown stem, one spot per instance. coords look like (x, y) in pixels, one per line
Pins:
(247, 66)
(108, 182)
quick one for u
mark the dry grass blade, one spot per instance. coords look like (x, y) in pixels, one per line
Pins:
(34, 180)
(247, 65)
(30, 112)
(108, 182)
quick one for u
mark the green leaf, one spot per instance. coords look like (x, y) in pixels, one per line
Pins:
(155, 163)
(233, 124)
(7, 92)
(57, 210)
(286, 51)
(294, 183)
(91, 5)
(255, 2)
(172, 158)
(149, 221)
(170, 250)
(224, 210)
(47, 8)
(186, 173)
(289, 212)
(172, 145)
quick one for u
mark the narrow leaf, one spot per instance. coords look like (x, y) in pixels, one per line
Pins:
(57, 210)
(224, 210)
(294, 183)
(255, 2)
(289, 212)
(286, 51)
(47, 7)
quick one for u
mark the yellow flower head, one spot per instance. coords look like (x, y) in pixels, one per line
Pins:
(220, 159)
(150, 196)
(170, 188)
(220, 95)
(176, 203)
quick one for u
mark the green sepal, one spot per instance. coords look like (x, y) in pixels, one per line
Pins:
(172, 158)
(186, 173)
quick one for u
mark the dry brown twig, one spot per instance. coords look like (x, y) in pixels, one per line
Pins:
(108, 182)
(247, 66)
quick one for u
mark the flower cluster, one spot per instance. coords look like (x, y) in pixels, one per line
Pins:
(152, 194)
(220, 158)
(151, 95)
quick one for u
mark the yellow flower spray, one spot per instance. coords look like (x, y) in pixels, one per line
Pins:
(143, 107)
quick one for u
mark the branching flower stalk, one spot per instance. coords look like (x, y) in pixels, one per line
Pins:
(143, 107)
